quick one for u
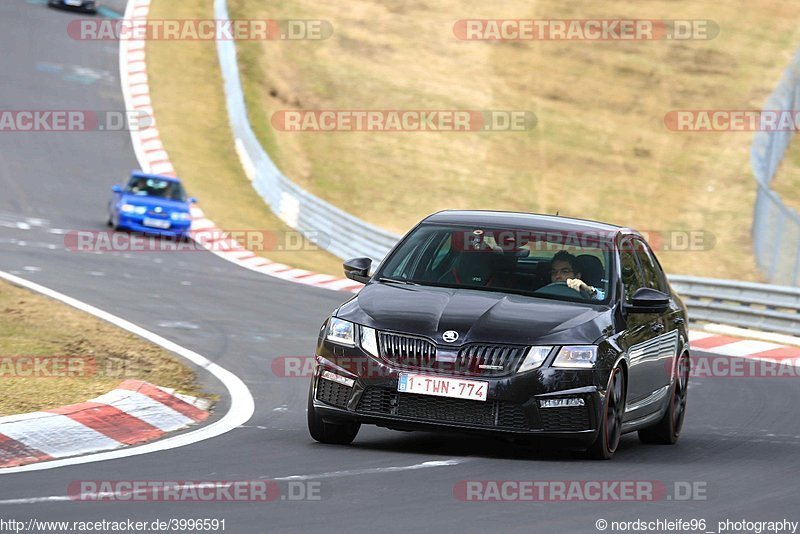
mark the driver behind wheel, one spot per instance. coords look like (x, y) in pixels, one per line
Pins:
(564, 268)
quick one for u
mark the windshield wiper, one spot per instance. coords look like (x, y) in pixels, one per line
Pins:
(397, 281)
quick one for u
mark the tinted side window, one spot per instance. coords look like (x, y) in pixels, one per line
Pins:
(403, 265)
(442, 251)
(653, 275)
(631, 275)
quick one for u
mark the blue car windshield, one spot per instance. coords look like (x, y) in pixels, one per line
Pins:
(156, 187)
(547, 264)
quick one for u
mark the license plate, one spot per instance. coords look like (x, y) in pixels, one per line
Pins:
(442, 386)
(156, 223)
(74, 3)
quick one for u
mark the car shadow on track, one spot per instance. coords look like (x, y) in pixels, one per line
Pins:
(446, 444)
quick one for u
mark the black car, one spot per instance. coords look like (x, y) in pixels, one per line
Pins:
(511, 324)
(87, 6)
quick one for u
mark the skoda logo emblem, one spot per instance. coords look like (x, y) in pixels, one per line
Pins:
(450, 336)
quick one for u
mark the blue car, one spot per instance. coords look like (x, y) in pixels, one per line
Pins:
(153, 204)
(89, 6)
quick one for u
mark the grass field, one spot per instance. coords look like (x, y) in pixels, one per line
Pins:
(102, 355)
(600, 149)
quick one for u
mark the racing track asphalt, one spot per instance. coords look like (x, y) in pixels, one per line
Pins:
(741, 438)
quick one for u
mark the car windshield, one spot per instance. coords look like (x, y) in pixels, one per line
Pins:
(156, 187)
(549, 264)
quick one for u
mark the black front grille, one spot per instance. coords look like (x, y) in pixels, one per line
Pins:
(510, 415)
(408, 352)
(442, 409)
(572, 418)
(446, 410)
(497, 360)
(334, 393)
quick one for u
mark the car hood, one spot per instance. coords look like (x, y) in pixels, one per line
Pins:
(477, 316)
(154, 202)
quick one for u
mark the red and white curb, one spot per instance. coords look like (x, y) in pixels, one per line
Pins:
(726, 345)
(242, 404)
(215, 241)
(135, 412)
(153, 158)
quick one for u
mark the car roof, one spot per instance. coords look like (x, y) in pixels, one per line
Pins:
(139, 174)
(532, 221)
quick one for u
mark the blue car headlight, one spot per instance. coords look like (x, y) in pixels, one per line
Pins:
(130, 208)
(180, 216)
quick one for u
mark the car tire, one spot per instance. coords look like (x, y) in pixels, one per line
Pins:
(668, 429)
(610, 432)
(330, 433)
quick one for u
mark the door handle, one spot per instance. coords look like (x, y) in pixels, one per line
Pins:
(657, 327)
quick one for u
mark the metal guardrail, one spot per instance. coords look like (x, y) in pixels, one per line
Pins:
(332, 229)
(776, 227)
(764, 307)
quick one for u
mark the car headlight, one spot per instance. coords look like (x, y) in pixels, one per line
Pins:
(580, 356)
(369, 340)
(341, 331)
(180, 216)
(534, 359)
(130, 208)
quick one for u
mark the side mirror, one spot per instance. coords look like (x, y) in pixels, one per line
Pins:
(116, 188)
(192, 200)
(647, 300)
(357, 269)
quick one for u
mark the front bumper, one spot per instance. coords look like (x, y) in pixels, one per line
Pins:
(512, 407)
(136, 224)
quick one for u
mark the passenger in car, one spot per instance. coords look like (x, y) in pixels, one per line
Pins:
(564, 268)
